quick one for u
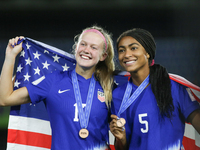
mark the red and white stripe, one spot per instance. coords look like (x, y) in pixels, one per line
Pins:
(26, 133)
(191, 139)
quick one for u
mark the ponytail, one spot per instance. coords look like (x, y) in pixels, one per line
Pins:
(161, 87)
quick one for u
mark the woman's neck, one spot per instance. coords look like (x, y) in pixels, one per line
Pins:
(139, 77)
(86, 73)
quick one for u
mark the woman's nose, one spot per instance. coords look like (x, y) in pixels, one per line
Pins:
(128, 53)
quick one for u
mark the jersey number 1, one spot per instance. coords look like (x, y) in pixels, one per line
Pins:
(76, 112)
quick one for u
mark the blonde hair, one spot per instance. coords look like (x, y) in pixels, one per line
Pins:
(104, 69)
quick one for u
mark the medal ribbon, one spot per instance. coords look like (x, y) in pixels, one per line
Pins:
(126, 102)
(83, 116)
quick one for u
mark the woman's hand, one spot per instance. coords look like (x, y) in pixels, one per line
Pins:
(119, 133)
(9, 97)
(13, 49)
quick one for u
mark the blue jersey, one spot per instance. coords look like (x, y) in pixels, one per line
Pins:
(56, 90)
(145, 128)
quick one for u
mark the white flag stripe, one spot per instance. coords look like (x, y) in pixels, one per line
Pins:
(184, 81)
(189, 131)
(197, 139)
(11, 146)
(111, 138)
(197, 93)
(29, 124)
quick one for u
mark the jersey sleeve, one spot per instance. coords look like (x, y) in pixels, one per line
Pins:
(186, 100)
(39, 89)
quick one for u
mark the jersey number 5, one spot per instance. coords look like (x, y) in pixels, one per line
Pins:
(142, 121)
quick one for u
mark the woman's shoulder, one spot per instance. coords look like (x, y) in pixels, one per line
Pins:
(58, 75)
(119, 90)
(177, 86)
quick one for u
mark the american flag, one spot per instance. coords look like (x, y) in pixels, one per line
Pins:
(29, 127)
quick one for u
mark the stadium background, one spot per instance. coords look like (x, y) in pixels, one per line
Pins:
(174, 24)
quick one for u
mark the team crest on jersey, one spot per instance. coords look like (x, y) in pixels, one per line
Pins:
(101, 96)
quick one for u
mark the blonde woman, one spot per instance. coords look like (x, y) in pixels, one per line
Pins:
(77, 101)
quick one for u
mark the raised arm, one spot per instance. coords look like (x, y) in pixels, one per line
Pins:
(119, 133)
(194, 119)
(8, 97)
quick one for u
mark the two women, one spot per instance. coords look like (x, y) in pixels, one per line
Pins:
(154, 118)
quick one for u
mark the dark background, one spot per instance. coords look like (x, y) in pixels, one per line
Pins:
(174, 24)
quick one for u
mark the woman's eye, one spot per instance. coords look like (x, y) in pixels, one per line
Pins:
(133, 48)
(83, 44)
(120, 50)
(94, 48)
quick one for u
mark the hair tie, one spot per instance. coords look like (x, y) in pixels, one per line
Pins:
(98, 32)
(152, 63)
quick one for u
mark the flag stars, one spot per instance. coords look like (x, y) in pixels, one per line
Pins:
(26, 77)
(28, 46)
(19, 68)
(16, 84)
(46, 51)
(65, 68)
(22, 53)
(28, 61)
(45, 65)
(56, 58)
(37, 71)
(36, 55)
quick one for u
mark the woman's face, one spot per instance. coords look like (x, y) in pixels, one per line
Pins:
(132, 55)
(89, 50)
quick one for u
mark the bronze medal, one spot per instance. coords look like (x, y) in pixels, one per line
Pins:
(121, 122)
(83, 133)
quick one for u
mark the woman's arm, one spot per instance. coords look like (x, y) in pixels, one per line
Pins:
(194, 119)
(8, 97)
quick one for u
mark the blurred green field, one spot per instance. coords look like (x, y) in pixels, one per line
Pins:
(4, 116)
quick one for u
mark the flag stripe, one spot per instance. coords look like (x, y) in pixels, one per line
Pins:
(23, 147)
(189, 131)
(191, 135)
(189, 144)
(183, 81)
(196, 95)
(29, 124)
(112, 147)
(111, 138)
(29, 138)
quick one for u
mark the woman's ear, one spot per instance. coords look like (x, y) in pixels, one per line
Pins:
(103, 56)
(148, 56)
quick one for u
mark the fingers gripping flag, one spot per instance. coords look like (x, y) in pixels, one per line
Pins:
(29, 127)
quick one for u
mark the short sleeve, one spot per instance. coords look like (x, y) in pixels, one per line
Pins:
(39, 89)
(185, 100)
